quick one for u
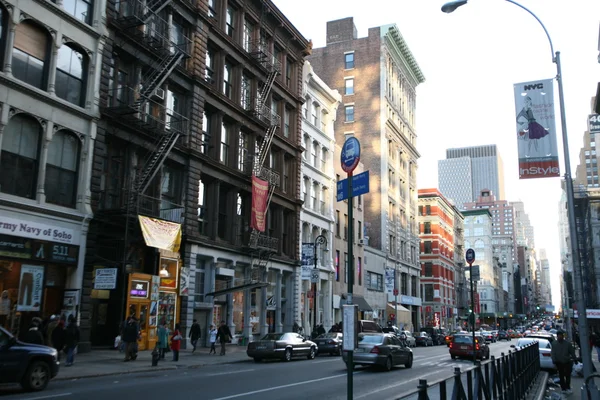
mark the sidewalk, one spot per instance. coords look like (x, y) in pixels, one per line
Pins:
(576, 384)
(110, 362)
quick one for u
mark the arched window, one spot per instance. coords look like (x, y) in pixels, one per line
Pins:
(61, 169)
(70, 75)
(31, 54)
(19, 157)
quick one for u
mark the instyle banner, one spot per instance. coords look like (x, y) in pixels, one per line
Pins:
(307, 260)
(536, 129)
(30, 288)
(260, 195)
(161, 234)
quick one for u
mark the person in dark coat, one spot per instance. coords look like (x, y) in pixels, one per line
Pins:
(321, 330)
(130, 336)
(223, 336)
(71, 340)
(195, 334)
(58, 337)
(34, 335)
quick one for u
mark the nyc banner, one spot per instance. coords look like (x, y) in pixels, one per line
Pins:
(161, 234)
(260, 195)
(308, 254)
(536, 129)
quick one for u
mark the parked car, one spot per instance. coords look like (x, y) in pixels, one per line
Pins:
(504, 335)
(462, 346)
(488, 336)
(380, 349)
(329, 343)
(545, 347)
(284, 346)
(410, 339)
(31, 365)
(542, 335)
(423, 339)
(448, 338)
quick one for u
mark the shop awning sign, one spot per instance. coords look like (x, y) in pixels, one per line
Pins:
(161, 234)
(105, 279)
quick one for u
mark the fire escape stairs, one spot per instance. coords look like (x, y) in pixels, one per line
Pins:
(158, 76)
(153, 8)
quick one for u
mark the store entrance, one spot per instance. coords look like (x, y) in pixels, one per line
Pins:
(140, 310)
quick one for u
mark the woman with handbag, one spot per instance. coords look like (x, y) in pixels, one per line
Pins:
(176, 342)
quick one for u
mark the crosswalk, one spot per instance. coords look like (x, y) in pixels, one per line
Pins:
(441, 361)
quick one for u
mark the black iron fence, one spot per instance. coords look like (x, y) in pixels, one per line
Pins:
(508, 377)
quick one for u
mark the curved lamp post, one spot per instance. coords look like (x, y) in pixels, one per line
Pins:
(579, 289)
(319, 240)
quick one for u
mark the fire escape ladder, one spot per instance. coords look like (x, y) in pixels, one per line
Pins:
(266, 87)
(158, 76)
(153, 7)
(157, 158)
(264, 148)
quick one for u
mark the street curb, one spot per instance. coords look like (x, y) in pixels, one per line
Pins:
(541, 392)
(149, 369)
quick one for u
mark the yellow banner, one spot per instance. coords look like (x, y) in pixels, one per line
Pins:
(161, 234)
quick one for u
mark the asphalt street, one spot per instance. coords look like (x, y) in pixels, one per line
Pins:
(322, 378)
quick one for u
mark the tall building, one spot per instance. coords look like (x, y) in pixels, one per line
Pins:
(546, 284)
(467, 171)
(51, 57)
(318, 191)
(436, 227)
(378, 76)
(200, 138)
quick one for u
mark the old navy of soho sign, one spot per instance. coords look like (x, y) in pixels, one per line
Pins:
(37, 230)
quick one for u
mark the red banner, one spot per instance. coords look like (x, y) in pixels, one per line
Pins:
(477, 306)
(260, 195)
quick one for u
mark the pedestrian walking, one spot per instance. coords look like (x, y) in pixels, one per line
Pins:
(213, 339)
(176, 342)
(71, 340)
(224, 336)
(195, 334)
(163, 339)
(52, 324)
(129, 336)
(563, 355)
(34, 335)
(57, 339)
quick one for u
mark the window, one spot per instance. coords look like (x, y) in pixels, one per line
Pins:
(245, 99)
(224, 151)
(286, 174)
(360, 232)
(428, 270)
(349, 60)
(359, 270)
(323, 121)
(337, 223)
(346, 268)
(428, 289)
(202, 215)
(206, 129)
(289, 70)
(337, 265)
(345, 226)
(315, 189)
(404, 284)
(61, 169)
(427, 227)
(248, 35)
(427, 247)
(349, 89)
(170, 188)
(427, 210)
(374, 281)
(315, 114)
(19, 157)
(315, 156)
(286, 122)
(323, 159)
(30, 54)
(413, 286)
(349, 110)
(175, 111)
(80, 9)
(70, 75)
(212, 6)
(230, 22)
(209, 66)
(243, 158)
(227, 79)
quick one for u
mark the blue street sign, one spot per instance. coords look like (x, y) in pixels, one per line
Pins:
(350, 154)
(470, 256)
(360, 185)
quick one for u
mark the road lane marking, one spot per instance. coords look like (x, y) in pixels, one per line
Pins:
(371, 392)
(324, 361)
(231, 372)
(50, 396)
(234, 396)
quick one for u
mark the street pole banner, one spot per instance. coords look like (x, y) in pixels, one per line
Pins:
(260, 195)
(389, 280)
(536, 129)
(307, 261)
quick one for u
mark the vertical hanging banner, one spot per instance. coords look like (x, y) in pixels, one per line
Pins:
(260, 195)
(536, 129)
(308, 260)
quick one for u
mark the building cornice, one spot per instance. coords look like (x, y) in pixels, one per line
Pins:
(399, 45)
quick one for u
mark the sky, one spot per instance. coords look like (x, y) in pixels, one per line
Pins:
(471, 59)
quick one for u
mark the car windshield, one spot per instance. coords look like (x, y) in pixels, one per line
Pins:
(272, 336)
(370, 339)
(463, 339)
(328, 336)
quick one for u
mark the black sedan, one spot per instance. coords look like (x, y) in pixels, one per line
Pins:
(423, 339)
(330, 343)
(283, 346)
(503, 335)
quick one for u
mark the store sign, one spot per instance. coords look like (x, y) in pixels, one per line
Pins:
(139, 289)
(32, 249)
(36, 230)
(105, 278)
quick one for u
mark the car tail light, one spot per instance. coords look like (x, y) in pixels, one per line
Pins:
(451, 344)
(477, 346)
(375, 350)
(546, 354)
(330, 341)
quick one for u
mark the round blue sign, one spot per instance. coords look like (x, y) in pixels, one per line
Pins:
(470, 256)
(350, 154)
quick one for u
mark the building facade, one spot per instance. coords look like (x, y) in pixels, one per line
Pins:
(378, 76)
(318, 196)
(51, 61)
(467, 171)
(460, 269)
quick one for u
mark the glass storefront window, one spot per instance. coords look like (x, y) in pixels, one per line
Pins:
(167, 303)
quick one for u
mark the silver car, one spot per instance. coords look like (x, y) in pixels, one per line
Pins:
(284, 346)
(381, 349)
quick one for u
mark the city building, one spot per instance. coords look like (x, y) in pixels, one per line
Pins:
(467, 171)
(378, 76)
(384, 311)
(51, 61)
(546, 284)
(460, 268)
(524, 233)
(361, 279)
(318, 191)
(438, 272)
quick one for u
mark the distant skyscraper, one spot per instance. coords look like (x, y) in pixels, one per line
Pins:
(467, 171)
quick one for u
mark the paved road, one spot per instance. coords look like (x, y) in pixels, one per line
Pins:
(323, 378)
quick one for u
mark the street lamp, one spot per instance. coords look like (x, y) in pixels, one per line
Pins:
(578, 281)
(319, 240)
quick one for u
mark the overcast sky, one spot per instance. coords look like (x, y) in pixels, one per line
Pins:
(471, 59)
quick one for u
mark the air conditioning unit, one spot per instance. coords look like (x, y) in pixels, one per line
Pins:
(159, 94)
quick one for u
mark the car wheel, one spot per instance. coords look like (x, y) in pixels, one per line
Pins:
(409, 362)
(388, 364)
(312, 353)
(287, 356)
(37, 376)
(257, 359)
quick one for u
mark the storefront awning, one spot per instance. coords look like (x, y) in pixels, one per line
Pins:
(239, 288)
(359, 301)
(400, 308)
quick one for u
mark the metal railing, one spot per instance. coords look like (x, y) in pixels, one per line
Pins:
(508, 377)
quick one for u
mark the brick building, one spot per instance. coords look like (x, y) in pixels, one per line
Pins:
(377, 76)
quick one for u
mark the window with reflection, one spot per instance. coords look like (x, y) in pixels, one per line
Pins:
(227, 79)
(80, 9)
(19, 156)
(30, 54)
(70, 67)
(61, 169)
